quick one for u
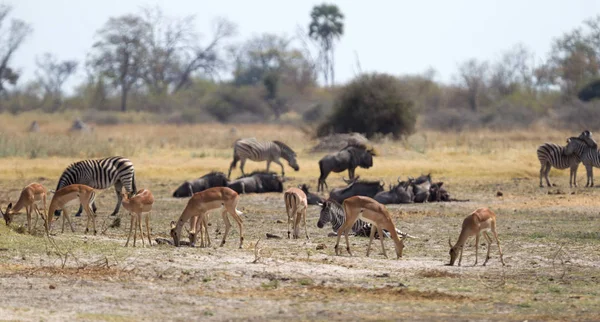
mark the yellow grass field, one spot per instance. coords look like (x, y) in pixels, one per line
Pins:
(549, 235)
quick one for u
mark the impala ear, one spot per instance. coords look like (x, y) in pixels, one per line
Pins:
(173, 225)
(9, 207)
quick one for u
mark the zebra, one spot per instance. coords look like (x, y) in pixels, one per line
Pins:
(589, 156)
(101, 174)
(332, 212)
(269, 151)
(553, 155)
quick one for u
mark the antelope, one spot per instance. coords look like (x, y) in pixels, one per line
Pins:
(482, 219)
(296, 204)
(29, 195)
(63, 196)
(140, 203)
(371, 211)
(202, 227)
(201, 203)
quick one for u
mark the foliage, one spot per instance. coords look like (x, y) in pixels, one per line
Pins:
(372, 104)
(10, 41)
(326, 26)
(590, 91)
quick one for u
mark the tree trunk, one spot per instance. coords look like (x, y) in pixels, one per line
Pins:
(124, 91)
(332, 66)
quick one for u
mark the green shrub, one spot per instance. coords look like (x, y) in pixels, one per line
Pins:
(371, 104)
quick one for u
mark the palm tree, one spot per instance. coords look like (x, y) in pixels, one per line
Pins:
(326, 26)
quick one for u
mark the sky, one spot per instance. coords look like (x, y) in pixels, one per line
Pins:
(392, 36)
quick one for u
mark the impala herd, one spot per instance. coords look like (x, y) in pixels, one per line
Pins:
(196, 213)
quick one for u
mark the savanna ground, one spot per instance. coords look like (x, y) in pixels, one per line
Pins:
(549, 235)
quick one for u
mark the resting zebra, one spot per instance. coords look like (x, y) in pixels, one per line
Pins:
(553, 155)
(269, 151)
(100, 174)
(589, 155)
(332, 212)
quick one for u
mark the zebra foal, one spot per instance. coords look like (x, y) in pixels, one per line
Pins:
(100, 174)
(553, 155)
(270, 151)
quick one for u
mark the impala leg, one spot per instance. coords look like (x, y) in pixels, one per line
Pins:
(37, 215)
(135, 230)
(232, 209)
(305, 228)
(287, 211)
(460, 256)
(381, 235)
(227, 226)
(371, 236)
(139, 220)
(476, 247)
(493, 228)
(130, 229)
(148, 229)
(28, 211)
(346, 233)
(66, 215)
(489, 246)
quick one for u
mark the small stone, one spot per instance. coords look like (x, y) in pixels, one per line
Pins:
(321, 246)
(499, 193)
(52, 286)
(279, 221)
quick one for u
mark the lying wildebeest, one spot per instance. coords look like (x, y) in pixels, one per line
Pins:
(438, 193)
(332, 212)
(401, 193)
(313, 199)
(257, 182)
(212, 179)
(356, 188)
(421, 186)
(349, 158)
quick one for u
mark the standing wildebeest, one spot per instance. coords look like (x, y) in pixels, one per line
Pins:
(212, 179)
(356, 188)
(257, 182)
(269, 151)
(313, 199)
(401, 193)
(349, 158)
(553, 155)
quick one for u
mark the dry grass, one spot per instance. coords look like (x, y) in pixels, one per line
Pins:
(550, 241)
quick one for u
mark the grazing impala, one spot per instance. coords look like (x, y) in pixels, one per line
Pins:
(371, 211)
(204, 201)
(140, 203)
(481, 219)
(201, 226)
(29, 196)
(295, 206)
(63, 196)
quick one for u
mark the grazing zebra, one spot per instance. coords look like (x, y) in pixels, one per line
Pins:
(589, 155)
(269, 151)
(553, 155)
(100, 174)
(332, 212)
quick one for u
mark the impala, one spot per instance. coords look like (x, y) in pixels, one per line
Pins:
(371, 211)
(201, 225)
(481, 219)
(295, 206)
(140, 203)
(63, 196)
(29, 196)
(204, 201)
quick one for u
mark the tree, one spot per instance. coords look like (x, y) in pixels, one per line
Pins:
(514, 71)
(325, 27)
(174, 53)
(472, 77)
(120, 53)
(371, 104)
(52, 75)
(10, 41)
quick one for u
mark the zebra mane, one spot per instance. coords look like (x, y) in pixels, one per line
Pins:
(285, 148)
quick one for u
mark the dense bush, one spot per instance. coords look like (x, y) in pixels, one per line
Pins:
(371, 104)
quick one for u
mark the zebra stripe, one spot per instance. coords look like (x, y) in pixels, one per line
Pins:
(101, 174)
(554, 155)
(332, 212)
(270, 151)
(590, 156)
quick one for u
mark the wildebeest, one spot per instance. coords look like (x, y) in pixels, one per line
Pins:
(356, 188)
(401, 193)
(421, 186)
(257, 182)
(313, 199)
(349, 158)
(438, 193)
(209, 180)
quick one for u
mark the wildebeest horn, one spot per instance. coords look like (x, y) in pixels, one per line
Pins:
(398, 179)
